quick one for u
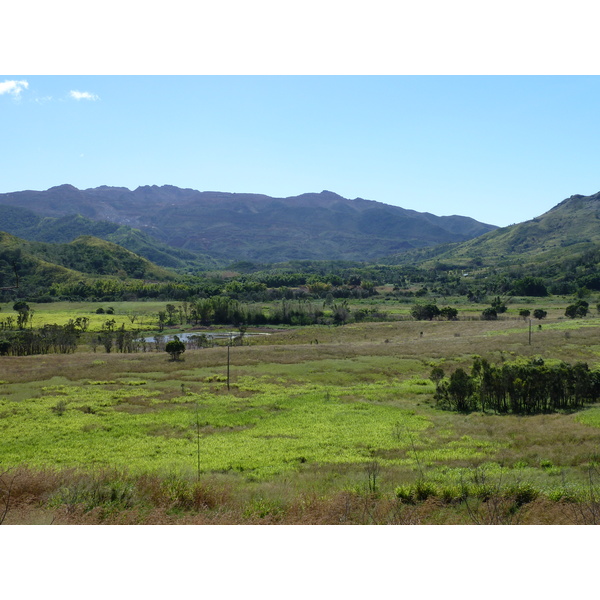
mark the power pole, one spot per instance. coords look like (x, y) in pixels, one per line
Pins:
(198, 438)
(228, 348)
(530, 332)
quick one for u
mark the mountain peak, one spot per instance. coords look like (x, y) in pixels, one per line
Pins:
(233, 226)
(65, 187)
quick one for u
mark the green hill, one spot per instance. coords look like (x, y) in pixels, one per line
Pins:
(28, 225)
(565, 232)
(40, 264)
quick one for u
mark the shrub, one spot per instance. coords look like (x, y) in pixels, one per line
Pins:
(449, 313)
(564, 494)
(489, 314)
(423, 490)
(175, 348)
(425, 312)
(405, 494)
(451, 493)
(418, 492)
(60, 408)
(579, 309)
(521, 493)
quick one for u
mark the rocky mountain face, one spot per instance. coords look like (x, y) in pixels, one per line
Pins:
(233, 226)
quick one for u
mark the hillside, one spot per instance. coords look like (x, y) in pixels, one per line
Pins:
(40, 264)
(565, 232)
(26, 224)
(230, 227)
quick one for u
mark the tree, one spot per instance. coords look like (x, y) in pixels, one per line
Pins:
(171, 310)
(425, 312)
(436, 375)
(540, 314)
(530, 286)
(25, 313)
(489, 314)
(579, 309)
(460, 391)
(499, 305)
(340, 313)
(175, 348)
(449, 313)
(524, 313)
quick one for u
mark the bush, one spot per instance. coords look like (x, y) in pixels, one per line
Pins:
(449, 313)
(175, 348)
(521, 493)
(425, 312)
(423, 490)
(489, 314)
(405, 494)
(579, 309)
(418, 492)
(564, 494)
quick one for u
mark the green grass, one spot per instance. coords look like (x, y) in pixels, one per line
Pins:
(302, 416)
(60, 313)
(269, 429)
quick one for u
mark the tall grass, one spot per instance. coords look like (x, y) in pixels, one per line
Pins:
(308, 410)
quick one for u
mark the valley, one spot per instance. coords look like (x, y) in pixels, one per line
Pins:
(310, 389)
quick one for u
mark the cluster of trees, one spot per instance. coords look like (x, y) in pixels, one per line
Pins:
(524, 389)
(119, 339)
(221, 310)
(578, 309)
(428, 312)
(60, 339)
(113, 290)
(23, 318)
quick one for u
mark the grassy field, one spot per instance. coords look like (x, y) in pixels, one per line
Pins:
(144, 314)
(318, 425)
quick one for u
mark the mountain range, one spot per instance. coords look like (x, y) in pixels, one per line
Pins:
(174, 227)
(63, 234)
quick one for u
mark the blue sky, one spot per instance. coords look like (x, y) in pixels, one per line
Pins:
(501, 149)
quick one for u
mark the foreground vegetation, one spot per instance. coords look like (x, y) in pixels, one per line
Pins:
(315, 424)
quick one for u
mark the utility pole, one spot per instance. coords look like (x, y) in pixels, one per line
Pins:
(198, 438)
(530, 332)
(228, 349)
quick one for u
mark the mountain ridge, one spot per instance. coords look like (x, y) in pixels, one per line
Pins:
(571, 226)
(246, 226)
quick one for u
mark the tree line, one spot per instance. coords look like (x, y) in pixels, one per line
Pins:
(523, 389)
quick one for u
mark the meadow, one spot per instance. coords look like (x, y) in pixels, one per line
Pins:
(317, 424)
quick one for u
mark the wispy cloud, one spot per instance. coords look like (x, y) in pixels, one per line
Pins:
(43, 99)
(13, 87)
(82, 95)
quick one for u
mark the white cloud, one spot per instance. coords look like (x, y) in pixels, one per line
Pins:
(82, 95)
(13, 87)
(43, 99)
